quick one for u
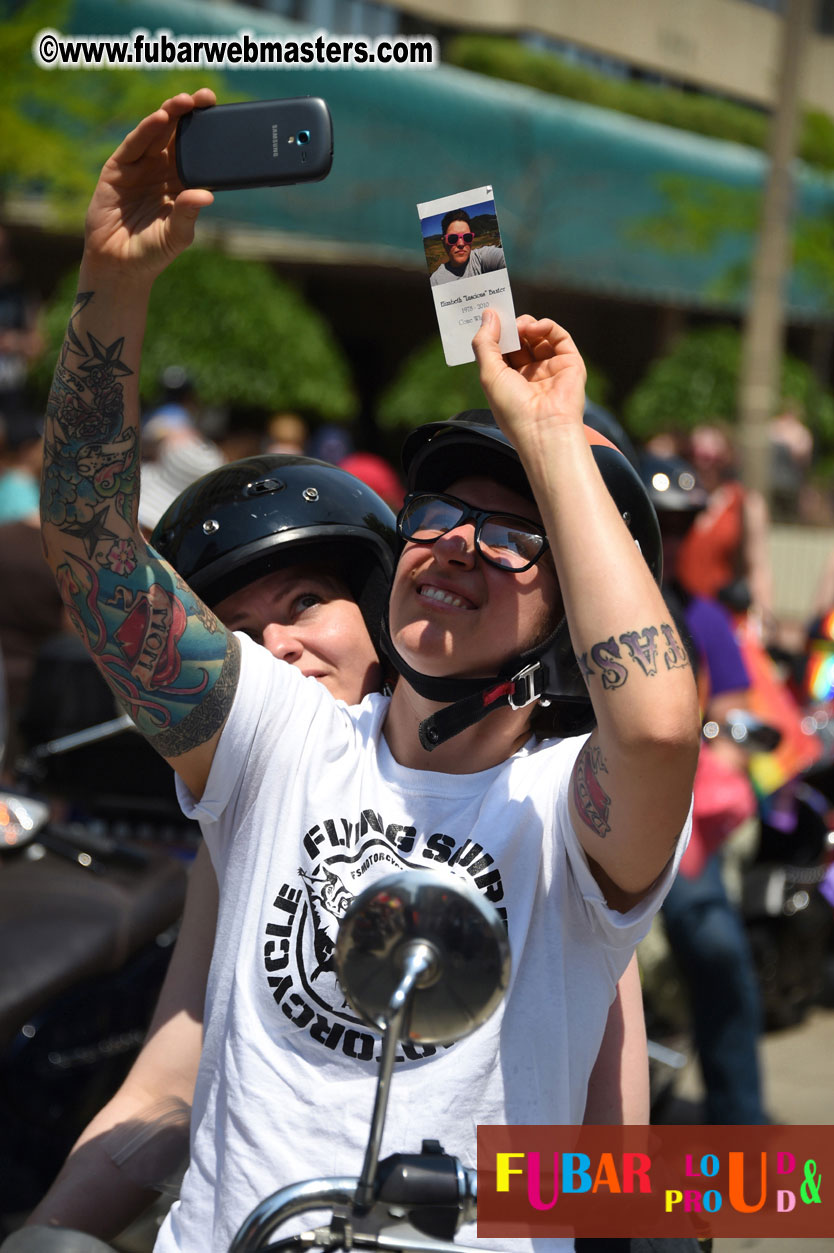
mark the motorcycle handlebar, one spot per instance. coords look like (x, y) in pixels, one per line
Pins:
(340, 1193)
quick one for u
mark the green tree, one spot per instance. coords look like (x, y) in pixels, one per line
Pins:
(698, 382)
(704, 218)
(427, 390)
(57, 127)
(246, 337)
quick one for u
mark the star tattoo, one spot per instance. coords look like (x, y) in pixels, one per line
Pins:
(92, 532)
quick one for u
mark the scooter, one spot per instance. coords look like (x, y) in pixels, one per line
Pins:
(419, 956)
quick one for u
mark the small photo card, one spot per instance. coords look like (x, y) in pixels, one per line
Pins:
(467, 270)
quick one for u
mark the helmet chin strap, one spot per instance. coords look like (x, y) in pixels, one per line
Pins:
(522, 681)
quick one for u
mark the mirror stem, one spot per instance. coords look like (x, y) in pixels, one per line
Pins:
(418, 959)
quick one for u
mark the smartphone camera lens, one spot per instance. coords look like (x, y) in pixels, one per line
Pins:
(303, 137)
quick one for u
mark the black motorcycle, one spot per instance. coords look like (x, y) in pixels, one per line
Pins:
(93, 856)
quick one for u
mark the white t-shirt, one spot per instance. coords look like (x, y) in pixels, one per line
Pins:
(305, 807)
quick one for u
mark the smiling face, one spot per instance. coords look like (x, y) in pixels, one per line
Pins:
(452, 613)
(307, 617)
(458, 252)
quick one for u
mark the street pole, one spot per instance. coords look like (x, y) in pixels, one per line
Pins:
(763, 338)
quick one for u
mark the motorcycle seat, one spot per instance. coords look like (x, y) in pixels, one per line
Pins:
(61, 924)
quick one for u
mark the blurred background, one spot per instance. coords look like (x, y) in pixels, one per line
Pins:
(636, 153)
(663, 173)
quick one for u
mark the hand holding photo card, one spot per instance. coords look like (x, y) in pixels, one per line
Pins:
(467, 271)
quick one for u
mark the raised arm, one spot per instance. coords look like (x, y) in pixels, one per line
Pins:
(633, 779)
(171, 665)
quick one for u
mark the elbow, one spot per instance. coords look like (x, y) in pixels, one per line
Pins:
(676, 739)
(669, 729)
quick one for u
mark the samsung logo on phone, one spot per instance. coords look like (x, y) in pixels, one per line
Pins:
(275, 139)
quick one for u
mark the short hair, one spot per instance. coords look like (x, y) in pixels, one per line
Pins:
(454, 215)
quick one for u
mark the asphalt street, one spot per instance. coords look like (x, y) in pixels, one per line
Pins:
(798, 1066)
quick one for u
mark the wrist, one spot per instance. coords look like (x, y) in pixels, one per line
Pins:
(114, 280)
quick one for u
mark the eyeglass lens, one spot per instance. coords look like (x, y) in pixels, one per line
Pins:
(502, 539)
(467, 238)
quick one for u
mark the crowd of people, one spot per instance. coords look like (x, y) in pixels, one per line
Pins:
(487, 676)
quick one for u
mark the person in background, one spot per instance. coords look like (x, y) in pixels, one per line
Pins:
(705, 930)
(728, 540)
(20, 339)
(378, 474)
(21, 453)
(792, 499)
(31, 613)
(175, 415)
(286, 432)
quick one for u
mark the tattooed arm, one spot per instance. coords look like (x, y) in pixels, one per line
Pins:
(170, 663)
(633, 779)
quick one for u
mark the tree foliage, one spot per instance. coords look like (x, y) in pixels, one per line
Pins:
(57, 127)
(246, 338)
(427, 390)
(698, 381)
(704, 217)
(703, 114)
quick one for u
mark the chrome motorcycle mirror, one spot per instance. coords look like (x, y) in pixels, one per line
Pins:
(451, 935)
(420, 956)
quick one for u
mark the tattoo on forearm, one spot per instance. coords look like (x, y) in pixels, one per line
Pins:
(134, 633)
(593, 804)
(91, 470)
(208, 717)
(171, 665)
(641, 650)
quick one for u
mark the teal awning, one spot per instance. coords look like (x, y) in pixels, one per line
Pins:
(588, 199)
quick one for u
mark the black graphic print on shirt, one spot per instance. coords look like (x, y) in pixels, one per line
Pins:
(342, 858)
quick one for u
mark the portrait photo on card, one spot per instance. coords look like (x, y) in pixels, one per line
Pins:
(462, 241)
(467, 269)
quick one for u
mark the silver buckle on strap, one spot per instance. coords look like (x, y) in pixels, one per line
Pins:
(530, 682)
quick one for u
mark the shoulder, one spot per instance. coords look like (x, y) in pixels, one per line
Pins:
(490, 257)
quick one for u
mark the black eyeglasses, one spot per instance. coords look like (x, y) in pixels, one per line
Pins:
(502, 539)
(452, 239)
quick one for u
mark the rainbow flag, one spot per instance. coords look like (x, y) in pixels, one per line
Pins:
(773, 702)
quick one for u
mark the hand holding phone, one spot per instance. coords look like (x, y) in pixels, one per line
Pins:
(255, 143)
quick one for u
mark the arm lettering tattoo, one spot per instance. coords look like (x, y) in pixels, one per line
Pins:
(675, 656)
(643, 648)
(171, 665)
(613, 673)
(584, 669)
(593, 804)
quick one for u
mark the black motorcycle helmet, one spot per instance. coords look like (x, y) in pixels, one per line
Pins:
(672, 485)
(471, 443)
(261, 514)
(605, 422)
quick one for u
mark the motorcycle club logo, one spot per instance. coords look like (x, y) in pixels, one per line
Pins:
(300, 935)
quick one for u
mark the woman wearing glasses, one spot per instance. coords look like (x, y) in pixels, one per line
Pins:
(464, 260)
(522, 613)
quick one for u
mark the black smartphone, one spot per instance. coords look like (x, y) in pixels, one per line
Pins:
(255, 143)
